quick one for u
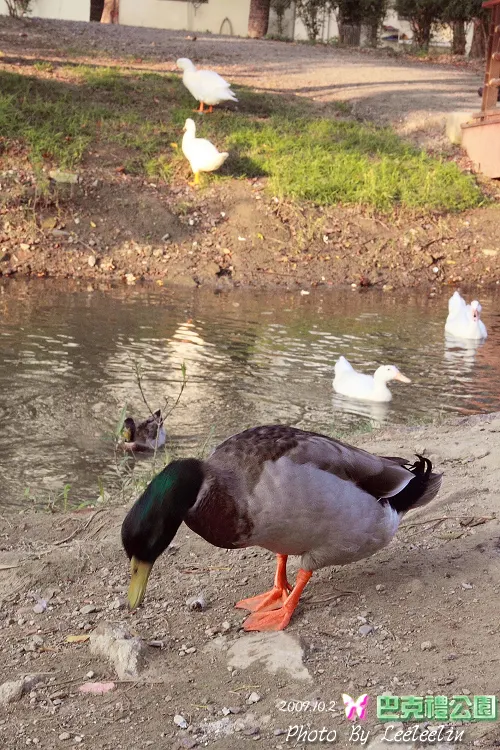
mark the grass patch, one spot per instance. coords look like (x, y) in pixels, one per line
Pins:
(305, 154)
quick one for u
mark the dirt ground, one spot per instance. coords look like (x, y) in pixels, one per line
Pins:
(235, 233)
(419, 618)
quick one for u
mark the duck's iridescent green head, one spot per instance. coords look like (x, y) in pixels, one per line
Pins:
(152, 522)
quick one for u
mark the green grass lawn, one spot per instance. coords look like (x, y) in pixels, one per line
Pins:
(66, 111)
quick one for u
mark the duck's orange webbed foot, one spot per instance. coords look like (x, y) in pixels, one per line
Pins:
(274, 598)
(279, 618)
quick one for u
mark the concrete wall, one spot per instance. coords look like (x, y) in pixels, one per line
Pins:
(217, 16)
(68, 10)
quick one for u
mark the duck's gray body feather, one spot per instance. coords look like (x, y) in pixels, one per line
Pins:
(299, 493)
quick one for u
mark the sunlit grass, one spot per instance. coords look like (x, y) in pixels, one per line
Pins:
(304, 154)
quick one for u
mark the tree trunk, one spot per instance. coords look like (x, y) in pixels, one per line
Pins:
(258, 20)
(110, 12)
(422, 29)
(350, 34)
(479, 37)
(459, 39)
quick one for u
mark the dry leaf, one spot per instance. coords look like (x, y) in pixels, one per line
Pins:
(77, 638)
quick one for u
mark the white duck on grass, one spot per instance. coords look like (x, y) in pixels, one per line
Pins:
(207, 86)
(202, 155)
(464, 321)
(349, 382)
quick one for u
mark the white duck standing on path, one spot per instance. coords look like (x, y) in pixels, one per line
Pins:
(464, 321)
(349, 382)
(207, 86)
(200, 153)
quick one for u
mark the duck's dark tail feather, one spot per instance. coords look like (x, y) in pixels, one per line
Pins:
(420, 490)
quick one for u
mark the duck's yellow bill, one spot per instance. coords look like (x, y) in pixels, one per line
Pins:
(139, 574)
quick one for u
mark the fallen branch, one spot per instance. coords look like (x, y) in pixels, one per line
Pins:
(82, 528)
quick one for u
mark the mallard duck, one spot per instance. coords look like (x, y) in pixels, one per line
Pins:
(200, 153)
(283, 489)
(350, 382)
(207, 86)
(464, 321)
(146, 436)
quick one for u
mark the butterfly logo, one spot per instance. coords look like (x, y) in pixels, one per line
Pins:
(353, 708)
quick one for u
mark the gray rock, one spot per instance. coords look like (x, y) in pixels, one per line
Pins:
(68, 178)
(365, 629)
(11, 691)
(124, 651)
(276, 651)
(180, 721)
(87, 609)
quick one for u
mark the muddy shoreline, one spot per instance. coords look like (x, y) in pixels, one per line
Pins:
(234, 234)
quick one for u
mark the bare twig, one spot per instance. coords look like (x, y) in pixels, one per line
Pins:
(437, 521)
(82, 528)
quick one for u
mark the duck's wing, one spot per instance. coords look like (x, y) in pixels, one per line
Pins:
(248, 451)
(211, 83)
(148, 429)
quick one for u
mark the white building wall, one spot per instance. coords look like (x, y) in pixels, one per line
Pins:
(67, 10)
(216, 16)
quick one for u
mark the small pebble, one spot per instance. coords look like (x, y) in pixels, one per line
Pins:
(64, 736)
(380, 587)
(426, 646)
(467, 586)
(196, 603)
(87, 609)
(39, 608)
(180, 721)
(253, 698)
(365, 629)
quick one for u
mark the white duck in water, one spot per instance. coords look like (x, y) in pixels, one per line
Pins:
(200, 153)
(283, 489)
(464, 321)
(350, 382)
(207, 86)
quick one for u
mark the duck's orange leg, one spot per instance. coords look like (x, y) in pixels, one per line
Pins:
(210, 109)
(274, 598)
(279, 618)
(200, 108)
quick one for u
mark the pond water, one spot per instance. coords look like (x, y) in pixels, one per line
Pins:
(68, 366)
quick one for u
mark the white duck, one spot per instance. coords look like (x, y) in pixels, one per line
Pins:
(207, 86)
(464, 320)
(349, 382)
(200, 153)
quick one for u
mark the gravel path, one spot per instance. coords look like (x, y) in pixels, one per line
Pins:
(386, 89)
